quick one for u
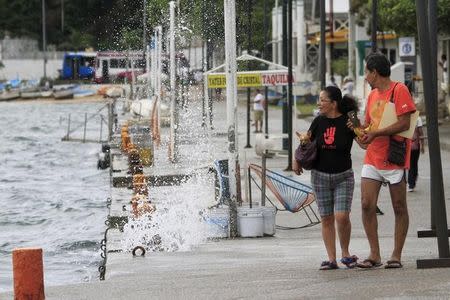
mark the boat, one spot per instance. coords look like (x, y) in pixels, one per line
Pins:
(63, 94)
(10, 95)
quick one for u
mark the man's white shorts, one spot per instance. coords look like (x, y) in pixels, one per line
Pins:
(384, 176)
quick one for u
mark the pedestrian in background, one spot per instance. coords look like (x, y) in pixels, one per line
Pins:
(417, 147)
(258, 110)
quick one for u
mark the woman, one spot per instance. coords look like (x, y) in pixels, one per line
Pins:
(332, 174)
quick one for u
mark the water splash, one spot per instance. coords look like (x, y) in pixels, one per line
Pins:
(178, 223)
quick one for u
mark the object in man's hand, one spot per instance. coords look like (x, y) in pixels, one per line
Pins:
(359, 131)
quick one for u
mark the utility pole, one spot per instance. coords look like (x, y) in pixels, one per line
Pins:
(322, 45)
(231, 77)
(374, 26)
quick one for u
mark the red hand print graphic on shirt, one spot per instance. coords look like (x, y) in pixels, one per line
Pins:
(328, 136)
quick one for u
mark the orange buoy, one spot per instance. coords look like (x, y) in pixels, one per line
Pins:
(28, 270)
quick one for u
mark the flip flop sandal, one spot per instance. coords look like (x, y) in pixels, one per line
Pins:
(328, 265)
(393, 264)
(350, 262)
(369, 264)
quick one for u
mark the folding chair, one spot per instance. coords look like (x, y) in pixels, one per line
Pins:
(294, 196)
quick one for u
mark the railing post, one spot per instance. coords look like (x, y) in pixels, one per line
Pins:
(68, 129)
(85, 124)
(101, 128)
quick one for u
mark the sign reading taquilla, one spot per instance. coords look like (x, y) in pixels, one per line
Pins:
(250, 79)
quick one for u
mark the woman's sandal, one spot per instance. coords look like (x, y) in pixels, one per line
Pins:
(328, 265)
(350, 262)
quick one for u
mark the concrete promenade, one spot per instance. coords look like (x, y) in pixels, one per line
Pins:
(284, 266)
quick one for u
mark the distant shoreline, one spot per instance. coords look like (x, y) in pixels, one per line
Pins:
(94, 98)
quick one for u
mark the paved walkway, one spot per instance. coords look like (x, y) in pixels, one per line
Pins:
(284, 266)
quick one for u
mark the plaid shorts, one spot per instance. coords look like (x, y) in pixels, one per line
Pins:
(334, 192)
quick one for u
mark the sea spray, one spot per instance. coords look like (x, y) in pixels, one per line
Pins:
(178, 224)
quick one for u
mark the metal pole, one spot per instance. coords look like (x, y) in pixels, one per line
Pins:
(266, 89)
(230, 70)
(432, 27)
(173, 104)
(374, 25)
(205, 82)
(263, 179)
(101, 128)
(436, 180)
(285, 63)
(44, 39)
(322, 58)
(249, 47)
(248, 145)
(68, 128)
(290, 98)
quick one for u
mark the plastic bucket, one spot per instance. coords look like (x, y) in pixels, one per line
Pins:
(250, 221)
(269, 215)
(218, 220)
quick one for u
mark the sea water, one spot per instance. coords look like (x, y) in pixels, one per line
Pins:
(51, 194)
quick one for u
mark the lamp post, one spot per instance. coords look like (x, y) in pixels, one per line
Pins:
(44, 39)
(249, 47)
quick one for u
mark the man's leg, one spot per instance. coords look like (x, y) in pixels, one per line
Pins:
(398, 197)
(369, 196)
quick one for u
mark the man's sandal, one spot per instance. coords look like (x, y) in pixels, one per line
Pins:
(393, 264)
(369, 264)
(328, 265)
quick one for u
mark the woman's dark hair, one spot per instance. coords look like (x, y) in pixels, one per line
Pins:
(344, 104)
(378, 62)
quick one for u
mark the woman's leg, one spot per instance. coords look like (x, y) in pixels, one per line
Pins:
(343, 196)
(324, 199)
(344, 229)
(329, 236)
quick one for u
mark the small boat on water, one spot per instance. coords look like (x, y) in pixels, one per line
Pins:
(63, 94)
(9, 95)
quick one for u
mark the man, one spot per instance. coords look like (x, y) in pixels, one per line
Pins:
(258, 110)
(376, 169)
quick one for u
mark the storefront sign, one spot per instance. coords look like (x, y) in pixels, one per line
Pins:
(250, 79)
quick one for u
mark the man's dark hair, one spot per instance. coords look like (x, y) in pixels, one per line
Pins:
(380, 63)
(444, 57)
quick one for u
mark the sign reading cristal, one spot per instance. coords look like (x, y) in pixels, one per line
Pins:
(250, 79)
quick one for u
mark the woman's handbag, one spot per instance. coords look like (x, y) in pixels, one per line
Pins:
(397, 151)
(306, 155)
